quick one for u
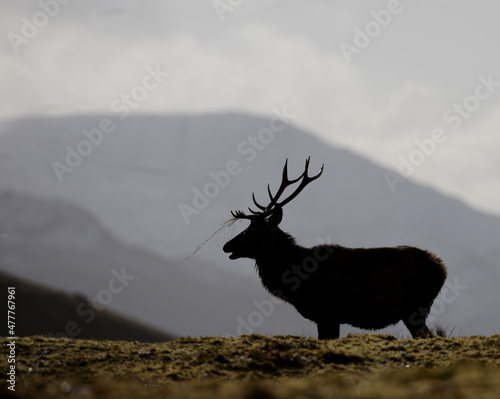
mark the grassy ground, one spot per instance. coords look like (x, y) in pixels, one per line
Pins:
(254, 366)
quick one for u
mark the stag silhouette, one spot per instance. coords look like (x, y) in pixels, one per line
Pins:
(369, 288)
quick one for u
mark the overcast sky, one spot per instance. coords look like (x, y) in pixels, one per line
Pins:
(372, 76)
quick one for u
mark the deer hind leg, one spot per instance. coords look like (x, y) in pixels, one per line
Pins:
(415, 322)
(328, 330)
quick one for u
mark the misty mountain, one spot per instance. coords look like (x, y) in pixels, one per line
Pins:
(162, 185)
(63, 246)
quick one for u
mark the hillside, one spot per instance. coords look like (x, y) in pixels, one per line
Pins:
(44, 311)
(254, 366)
(120, 207)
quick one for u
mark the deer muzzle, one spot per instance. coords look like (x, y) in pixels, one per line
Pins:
(231, 248)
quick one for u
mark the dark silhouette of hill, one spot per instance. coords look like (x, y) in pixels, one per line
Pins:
(44, 311)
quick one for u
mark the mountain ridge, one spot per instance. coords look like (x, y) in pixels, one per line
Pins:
(351, 204)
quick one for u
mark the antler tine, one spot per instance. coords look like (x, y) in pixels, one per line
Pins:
(307, 165)
(270, 194)
(305, 181)
(285, 182)
(262, 208)
(241, 215)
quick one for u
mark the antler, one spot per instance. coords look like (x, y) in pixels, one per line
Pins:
(241, 215)
(285, 182)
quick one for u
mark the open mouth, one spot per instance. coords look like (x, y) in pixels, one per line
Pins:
(233, 250)
(235, 254)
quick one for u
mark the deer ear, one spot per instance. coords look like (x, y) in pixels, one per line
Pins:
(275, 218)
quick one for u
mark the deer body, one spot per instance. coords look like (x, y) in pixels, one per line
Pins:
(369, 288)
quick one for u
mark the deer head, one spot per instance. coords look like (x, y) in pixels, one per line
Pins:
(259, 236)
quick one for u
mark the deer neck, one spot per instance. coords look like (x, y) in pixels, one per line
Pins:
(283, 253)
